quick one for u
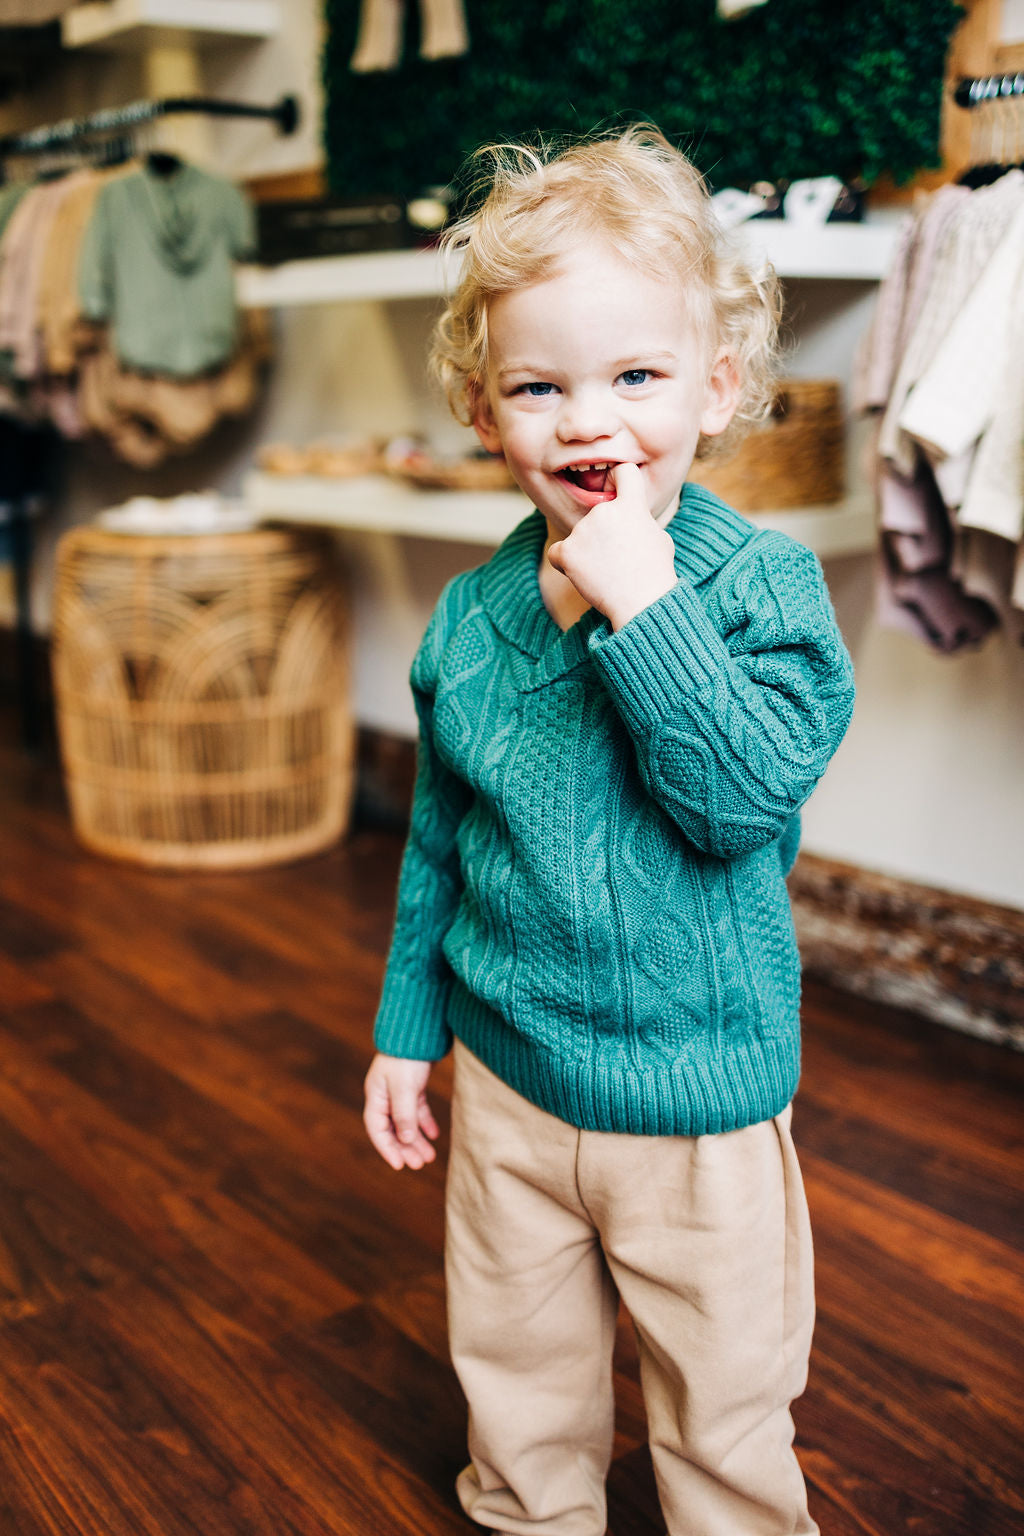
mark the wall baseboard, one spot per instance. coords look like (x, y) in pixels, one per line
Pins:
(947, 957)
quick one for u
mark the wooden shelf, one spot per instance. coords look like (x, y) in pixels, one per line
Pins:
(130, 24)
(377, 504)
(843, 252)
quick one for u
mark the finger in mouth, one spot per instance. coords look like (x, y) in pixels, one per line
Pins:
(594, 477)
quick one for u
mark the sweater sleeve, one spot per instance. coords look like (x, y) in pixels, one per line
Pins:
(411, 1017)
(95, 262)
(734, 722)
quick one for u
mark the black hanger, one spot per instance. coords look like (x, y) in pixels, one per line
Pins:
(162, 163)
(972, 93)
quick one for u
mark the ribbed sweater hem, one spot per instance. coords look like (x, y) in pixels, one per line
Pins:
(737, 1088)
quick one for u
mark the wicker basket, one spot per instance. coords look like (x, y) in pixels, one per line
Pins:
(795, 459)
(202, 695)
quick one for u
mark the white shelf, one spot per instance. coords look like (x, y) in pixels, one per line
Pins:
(377, 504)
(146, 23)
(855, 252)
(338, 279)
(840, 252)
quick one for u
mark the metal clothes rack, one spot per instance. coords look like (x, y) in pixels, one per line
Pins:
(972, 91)
(115, 119)
(18, 508)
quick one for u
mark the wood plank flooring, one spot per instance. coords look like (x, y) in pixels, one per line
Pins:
(220, 1313)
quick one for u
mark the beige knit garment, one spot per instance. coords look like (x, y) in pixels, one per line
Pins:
(972, 393)
(443, 33)
(967, 247)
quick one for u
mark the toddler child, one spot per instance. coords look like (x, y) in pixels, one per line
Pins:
(621, 714)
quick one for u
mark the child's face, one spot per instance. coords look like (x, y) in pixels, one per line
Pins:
(600, 364)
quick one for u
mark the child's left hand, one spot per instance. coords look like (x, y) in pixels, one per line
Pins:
(617, 557)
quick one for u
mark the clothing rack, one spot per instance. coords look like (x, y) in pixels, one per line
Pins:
(972, 91)
(112, 120)
(20, 503)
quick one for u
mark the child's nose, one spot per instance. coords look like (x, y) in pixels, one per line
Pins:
(586, 416)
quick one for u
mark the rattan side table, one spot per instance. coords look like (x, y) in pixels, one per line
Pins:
(202, 688)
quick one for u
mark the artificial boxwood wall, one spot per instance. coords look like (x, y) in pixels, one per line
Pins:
(794, 88)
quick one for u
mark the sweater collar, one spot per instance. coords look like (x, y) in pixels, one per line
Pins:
(705, 533)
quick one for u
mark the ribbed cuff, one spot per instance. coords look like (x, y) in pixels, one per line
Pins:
(669, 651)
(411, 1020)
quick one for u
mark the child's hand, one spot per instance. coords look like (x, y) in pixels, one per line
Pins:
(617, 557)
(397, 1116)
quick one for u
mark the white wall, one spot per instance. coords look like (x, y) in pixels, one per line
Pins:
(1011, 28)
(928, 784)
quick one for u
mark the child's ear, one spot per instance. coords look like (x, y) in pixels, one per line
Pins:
(722, 395)
(484, 423)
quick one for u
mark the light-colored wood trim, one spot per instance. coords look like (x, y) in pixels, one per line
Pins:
(288, 186)
(973, 52)
(1009, 58)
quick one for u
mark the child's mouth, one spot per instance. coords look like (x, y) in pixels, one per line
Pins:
(594, 479)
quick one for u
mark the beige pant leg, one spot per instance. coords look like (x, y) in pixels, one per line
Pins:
(708, 1241)
(531, 1315)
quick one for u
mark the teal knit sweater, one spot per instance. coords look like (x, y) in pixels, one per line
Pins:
(593, 891)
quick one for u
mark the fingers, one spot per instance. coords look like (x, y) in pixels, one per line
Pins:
(555, 556)
(428, 1125)
(377, 1120)
(628, 481)
(397, 1116)
(406, 1109)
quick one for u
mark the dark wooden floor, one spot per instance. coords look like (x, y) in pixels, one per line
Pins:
(221, 1313)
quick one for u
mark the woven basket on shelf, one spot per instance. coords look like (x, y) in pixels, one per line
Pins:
(794, 459)
(202, 695)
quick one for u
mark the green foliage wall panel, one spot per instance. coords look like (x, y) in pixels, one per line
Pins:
(794, 88)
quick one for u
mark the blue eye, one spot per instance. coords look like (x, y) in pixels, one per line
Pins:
(535, 387)
(635, 376)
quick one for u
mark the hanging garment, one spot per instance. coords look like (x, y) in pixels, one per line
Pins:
(22, 248)
(443, 33)
(10, 197)
(969, 402)
(967, 245)
(157, 264)
(985, 566)
(60, 310)
(934, 608)
(933, 366)
(731, 10)
(899, 300)
(38, 300)
(146, 418)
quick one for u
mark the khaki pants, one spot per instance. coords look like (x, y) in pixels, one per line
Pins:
(706, 1239)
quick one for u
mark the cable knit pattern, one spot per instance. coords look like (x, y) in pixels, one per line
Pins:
(593, 892)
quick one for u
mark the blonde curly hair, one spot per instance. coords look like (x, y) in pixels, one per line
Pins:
(649, 201)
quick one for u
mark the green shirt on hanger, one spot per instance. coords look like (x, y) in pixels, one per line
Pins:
(157, 264)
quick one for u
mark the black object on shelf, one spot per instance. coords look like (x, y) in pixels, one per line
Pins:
(330, 226)
(848, 207)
